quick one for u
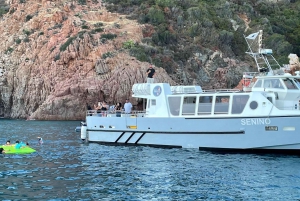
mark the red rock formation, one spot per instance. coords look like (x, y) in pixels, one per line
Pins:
(53, 64)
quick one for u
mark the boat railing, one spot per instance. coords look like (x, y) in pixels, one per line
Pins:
(185, 89)
(250, 74)
(141, 89)
(134, 113)
(221, 90)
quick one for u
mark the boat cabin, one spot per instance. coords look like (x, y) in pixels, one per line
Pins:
(283, 91)
(163, 100)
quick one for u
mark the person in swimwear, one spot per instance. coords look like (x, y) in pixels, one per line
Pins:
(19, 145)
(40, 140)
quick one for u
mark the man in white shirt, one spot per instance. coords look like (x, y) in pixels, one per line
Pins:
(127, 107)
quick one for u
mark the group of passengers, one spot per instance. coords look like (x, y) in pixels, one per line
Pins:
(103, 108)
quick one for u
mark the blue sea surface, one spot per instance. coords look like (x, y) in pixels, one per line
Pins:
(64, 168)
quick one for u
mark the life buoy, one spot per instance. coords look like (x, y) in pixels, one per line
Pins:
(246, 82)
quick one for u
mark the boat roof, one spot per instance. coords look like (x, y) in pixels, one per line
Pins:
(287, 75)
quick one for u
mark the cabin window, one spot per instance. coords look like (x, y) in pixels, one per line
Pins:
(205, 105)
(267, 84)
(290, 84)
(297, 83)
(257, 84)
(238, 103)
(273, 83)
(153, 102)
(189, 105)
(270, 99)
(174, 105)
(277, 84)
(222, 104)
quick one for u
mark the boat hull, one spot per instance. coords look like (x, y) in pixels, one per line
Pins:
(269, 133)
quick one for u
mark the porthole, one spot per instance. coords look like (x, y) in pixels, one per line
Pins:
(253, 105)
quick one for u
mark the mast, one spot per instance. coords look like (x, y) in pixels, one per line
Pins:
(263, 57)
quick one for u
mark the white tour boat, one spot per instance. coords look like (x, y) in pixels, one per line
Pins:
(265, 116)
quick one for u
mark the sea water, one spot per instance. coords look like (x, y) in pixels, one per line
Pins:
(64, 168)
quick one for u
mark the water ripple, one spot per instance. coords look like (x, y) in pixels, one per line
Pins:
(65, 169)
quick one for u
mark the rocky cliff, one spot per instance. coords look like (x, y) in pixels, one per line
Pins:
(57, 57)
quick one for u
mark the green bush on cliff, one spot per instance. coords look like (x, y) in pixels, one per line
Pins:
(165, 3)
(9, 50)
(84, 26)
(128, 44)
(82, 2)
(108, 36)
(2, 11)
(98, 24)
(163, 37)
(26, 40)
(238, 43)
(195, 13)
(28, 17)
(80, 34)
(66, 44)
(225, 38)
(139, 53)
(279, 44)
(18, 41)
(26, 32)
(107, 55)
(155, 16)
(194, 30)
(97, 30)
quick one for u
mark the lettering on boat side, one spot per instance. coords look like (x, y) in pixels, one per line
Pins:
(258, 121)
(157, 91)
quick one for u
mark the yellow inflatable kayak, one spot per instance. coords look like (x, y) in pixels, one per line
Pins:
(11, 149)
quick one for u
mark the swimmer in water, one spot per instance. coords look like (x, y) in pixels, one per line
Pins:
(40, 140)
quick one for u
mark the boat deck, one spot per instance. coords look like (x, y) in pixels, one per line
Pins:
(134, 113)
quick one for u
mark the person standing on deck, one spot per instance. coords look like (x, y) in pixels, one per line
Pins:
(150, 74)
(118, 107)
(127, 107)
